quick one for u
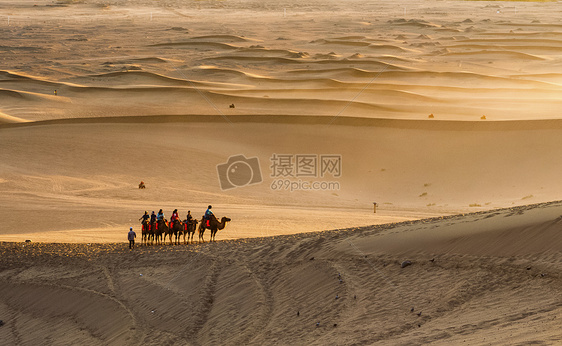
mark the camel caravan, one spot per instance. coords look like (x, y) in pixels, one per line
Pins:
(155, 227)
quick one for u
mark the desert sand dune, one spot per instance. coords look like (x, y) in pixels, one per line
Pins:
(326, 288)
(446, 114)
(76, 99)
(501, 41)
(487, 54)
(531, 52)
(136, 78)
(262, 51)
(4, 118)
(190, 44)
(56, 175)
(223, 38)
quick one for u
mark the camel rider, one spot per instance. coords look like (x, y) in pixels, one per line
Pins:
(160, 216)
(208, 214)
(174, 218)
(188, 218)
(153, 217)
(145, 217)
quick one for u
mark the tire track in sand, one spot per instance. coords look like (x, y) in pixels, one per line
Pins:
(201, 315)
(266, 313)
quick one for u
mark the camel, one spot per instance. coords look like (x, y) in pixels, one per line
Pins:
(146, 230)
(176, 230)
(167, 231)
(150, 233)
(160, 228)
(214, 226)
(189, 229)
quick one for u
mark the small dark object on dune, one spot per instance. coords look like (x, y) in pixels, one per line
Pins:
(311, 258)
(335, 324)
(419, 313)
(412, 310)
(298, 313)
(232, 106)
(432, 260)
(405, 264)
(1, 323)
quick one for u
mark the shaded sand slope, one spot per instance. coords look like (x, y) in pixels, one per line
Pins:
(83, 174)
(493, 278)
(6, 119)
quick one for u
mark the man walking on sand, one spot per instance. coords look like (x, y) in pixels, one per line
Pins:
(131, 236)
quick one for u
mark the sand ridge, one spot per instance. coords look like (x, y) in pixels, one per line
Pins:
(447, 295)
(498, 52)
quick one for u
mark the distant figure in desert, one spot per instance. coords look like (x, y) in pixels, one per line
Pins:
(131, 236)
(141, 185)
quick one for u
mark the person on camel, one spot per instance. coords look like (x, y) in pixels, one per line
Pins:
(153, 217)
(188, 218)
(145, 217)
(208, 214)
(174, 218)
(160, 216)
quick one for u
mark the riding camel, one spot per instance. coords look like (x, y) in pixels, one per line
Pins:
(146, 231)
(214, 226)
(159, 228)
(176, 229)
(189, 228)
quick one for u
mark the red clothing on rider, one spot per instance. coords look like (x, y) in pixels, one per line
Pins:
(174, 217)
